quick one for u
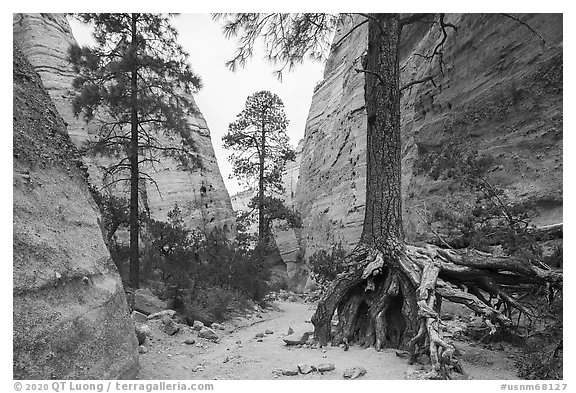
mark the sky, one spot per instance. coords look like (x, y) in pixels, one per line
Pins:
(224, 93)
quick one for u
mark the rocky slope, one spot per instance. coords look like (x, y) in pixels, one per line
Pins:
(70, 316)
(200, 194)
(501, 94)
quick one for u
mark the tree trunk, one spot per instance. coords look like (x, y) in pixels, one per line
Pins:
(134, 224)
(384, 300)
(262, 238)
(383, 312)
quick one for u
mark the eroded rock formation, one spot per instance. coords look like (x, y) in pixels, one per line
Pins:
(71, 319)
(501, 94)
(200, 193)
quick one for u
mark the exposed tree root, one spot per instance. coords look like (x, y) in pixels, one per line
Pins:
(391, 297)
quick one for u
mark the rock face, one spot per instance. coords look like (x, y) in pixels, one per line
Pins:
(200, 193)
(71, 320)
(501, 94)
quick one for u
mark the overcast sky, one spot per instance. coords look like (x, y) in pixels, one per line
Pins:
(224, 93)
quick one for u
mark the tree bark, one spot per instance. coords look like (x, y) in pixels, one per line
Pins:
(134, 181)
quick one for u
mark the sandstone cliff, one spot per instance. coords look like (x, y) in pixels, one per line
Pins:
(200, 194)
(501, 94)
(70, 316)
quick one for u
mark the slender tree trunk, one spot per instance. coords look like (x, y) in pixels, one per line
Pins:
(261, 223)
(134, 225)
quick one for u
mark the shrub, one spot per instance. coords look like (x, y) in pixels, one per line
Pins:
(325, 266)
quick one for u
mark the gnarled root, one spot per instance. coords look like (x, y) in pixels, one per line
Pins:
(392, 298)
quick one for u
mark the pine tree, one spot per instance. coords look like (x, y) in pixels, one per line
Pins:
(259, 139)
(391, 293)
(136, 83)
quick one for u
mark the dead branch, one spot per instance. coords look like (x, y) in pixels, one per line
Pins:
(423, 80)
(514, 18)
(358, 70)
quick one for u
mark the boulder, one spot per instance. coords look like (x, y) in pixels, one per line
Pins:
(147, 303)
(217, 326)
(355, 372)
(142, 349)
(189, 341)
(207, 333)
(268, 331)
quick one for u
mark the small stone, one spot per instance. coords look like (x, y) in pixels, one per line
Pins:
(268, 331)
(197, 325)
(226, 360)
(259, 335)
(305, 368)
(138, 317)
(290, 371)
(239, 342)
(217, 326)
(207, 333)
(169, 326)
(142, 349)
(290, 330)
(297, 338)
(259, 340)
(355, 372)
(142, 331)
(325, 367)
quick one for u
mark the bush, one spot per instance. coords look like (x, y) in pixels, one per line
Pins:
(325, 266)
(204, 276)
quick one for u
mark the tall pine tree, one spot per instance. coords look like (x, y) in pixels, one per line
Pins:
(136, 82)
(258, 137)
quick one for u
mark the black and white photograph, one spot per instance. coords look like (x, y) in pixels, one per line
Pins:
(287, 196)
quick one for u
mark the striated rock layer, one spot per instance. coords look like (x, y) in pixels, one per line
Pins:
(70, 316)
(501, 94)
(200, 194)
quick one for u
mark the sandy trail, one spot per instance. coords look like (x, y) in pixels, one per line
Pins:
(240, 356)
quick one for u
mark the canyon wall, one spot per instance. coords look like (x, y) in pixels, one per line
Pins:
(199, 193)
(500, 94)
(70, 316)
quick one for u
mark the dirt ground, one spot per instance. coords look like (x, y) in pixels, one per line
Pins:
(239, 354)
